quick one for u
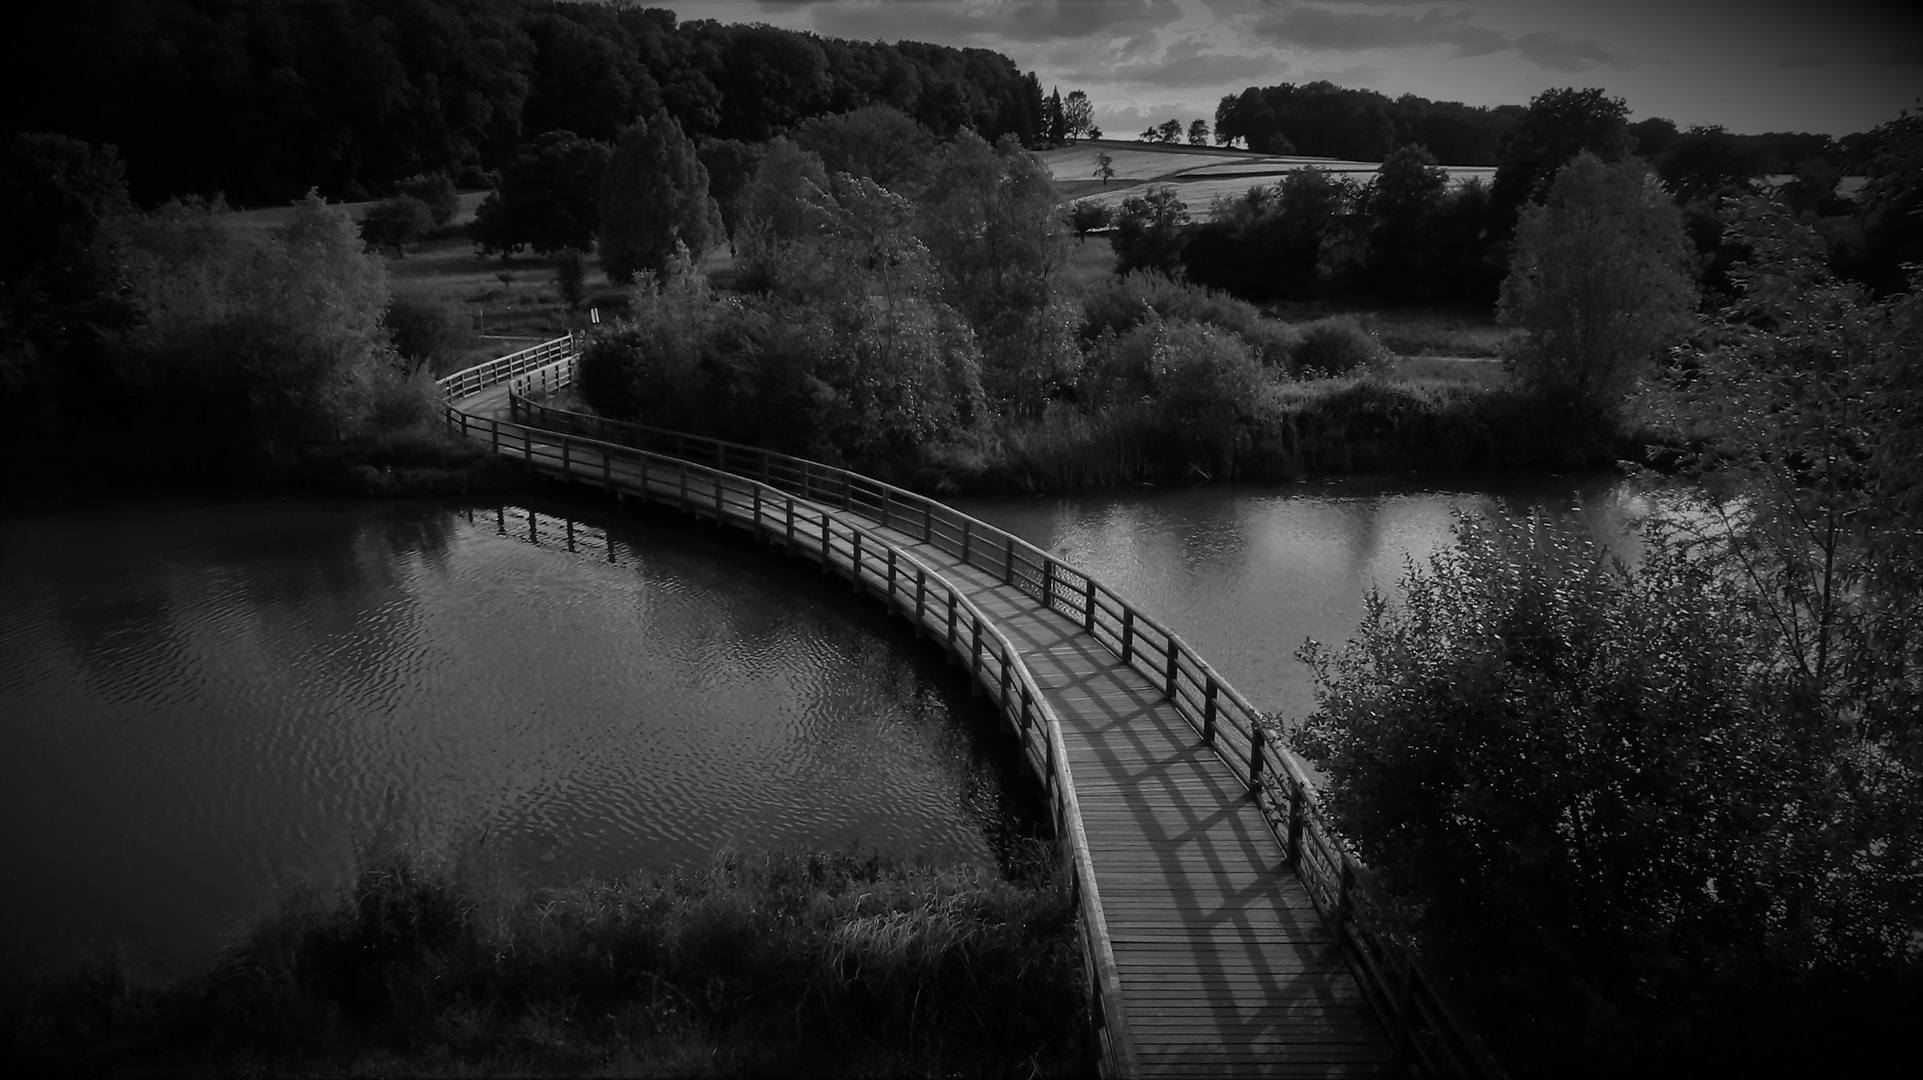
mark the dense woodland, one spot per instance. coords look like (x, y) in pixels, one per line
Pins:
(261, 100)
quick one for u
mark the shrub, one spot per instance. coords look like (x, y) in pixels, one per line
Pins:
(1127, 300)
(1336, 346)
(428, 333)
(436, 192)
(395, 223)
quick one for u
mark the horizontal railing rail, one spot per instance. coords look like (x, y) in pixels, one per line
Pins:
(1428, 1037)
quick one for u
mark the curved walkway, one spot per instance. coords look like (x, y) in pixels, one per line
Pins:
(1224, 930)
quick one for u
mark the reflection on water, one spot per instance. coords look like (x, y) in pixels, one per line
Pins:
(198, 702)
(1245, 574)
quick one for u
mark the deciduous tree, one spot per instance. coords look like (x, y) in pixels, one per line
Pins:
(547, 198)
(1601, 280)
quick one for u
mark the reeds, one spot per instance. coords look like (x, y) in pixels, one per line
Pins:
(779, 964)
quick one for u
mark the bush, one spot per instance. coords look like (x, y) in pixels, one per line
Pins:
(1126, 301)
(1585, 786)
(1336, 346)
(428, 333)
(396, 223)
(436, 192)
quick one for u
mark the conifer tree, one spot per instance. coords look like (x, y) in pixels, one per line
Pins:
(655, 192)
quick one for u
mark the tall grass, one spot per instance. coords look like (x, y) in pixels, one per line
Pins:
(785, 964)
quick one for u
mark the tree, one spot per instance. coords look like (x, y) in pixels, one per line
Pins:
(883, 144)
(1704, 161)
(653, 196)
(1401, 209)
(993, 222)
(1078, 116)
(60, 272)
(395, 223)
(1169, 131)
(1557, 125)
(1149, 231)
(1085, 216)
(547, 199)
(1054, 118)
(1198, 132)
(1105, 167)
(437, 193)
(1601, 280)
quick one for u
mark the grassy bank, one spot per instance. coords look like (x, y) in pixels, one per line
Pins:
(774, 965)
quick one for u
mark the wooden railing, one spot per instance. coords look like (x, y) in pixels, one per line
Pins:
(1430, 1040)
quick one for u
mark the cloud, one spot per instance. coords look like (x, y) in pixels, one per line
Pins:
(1322, 28)
(1558, 53)
(1185, 64)
(1028, 22)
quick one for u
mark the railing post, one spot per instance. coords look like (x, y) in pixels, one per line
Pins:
(1342, 902)
(1003, 700)
(1088, 603)
(921, 597)
(647, 491)
(884, 508)
(719, 505)
(804, 482)
(1168, 677)
(1208, 710)
(967, 537)
(927, 522)
(827, 549)
(951, 625)
(756, 528)
(790, 504)
(975, 655)
(854, 566)
(1048, 583)
(847, 492)
(891, 576)
(1008, 561)
(1257, 735)
(1128, 634)
(1295, 821)
(494, 434)
(607, 468)
(681, 468)
(567, 458)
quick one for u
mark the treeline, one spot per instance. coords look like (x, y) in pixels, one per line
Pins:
(1409, 237)
(261, 100)
(1321, 119)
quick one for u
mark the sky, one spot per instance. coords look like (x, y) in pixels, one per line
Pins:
(1827, 66)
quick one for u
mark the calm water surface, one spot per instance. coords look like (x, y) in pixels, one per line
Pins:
(1245, 574)
(201, 703)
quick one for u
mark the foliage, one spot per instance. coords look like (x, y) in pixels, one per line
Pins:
(427, 333)
(993, 226)
(1105, 167)
(1198, 132)
(877, 142)
(654, 196)
(1078, 116)
(1558, 125)
(731, 164)
(437, 193)
(60, 289)
(396, 223)
(1149, 231)
(264, 343)
(1085, 216)
(754, 965)
(1274, 242)
(547, 198)
(198, 95)
(1402, 210)
(1129, 300)
(1337, 345)
(571, 276)
(1601, 279)
(1321, 119)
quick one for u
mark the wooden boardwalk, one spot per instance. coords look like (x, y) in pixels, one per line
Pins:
(1224, 930)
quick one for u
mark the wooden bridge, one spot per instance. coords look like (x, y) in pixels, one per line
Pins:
(1225, 931)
